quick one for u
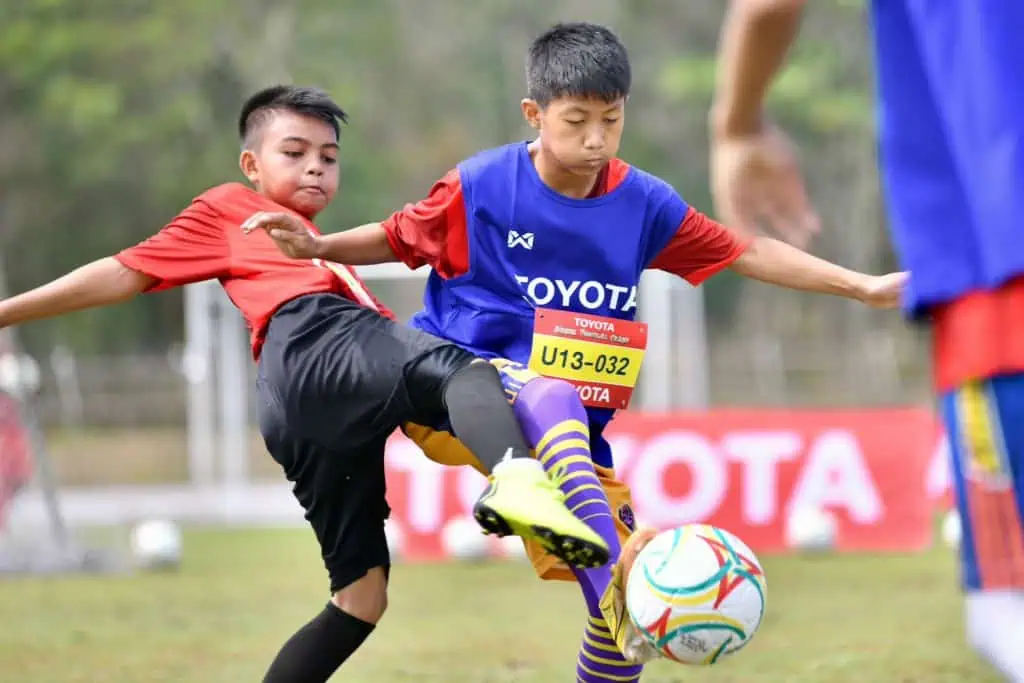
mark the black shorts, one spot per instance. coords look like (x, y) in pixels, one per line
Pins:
(335, 379)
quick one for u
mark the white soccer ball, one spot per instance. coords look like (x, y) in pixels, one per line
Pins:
(811, 529)
(513, 548)
(463, 539)
(696, 594)
(395, 538)
(156, 544)
(19, 374)
(952, 531)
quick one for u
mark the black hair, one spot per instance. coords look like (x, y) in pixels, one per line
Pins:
(258, 109)
(577, 60)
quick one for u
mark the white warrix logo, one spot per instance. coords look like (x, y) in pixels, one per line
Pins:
(516, 239)
(591, 294)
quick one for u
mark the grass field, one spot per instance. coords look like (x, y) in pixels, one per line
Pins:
(240, 594)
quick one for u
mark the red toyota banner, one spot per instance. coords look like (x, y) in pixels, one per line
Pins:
(879, 471)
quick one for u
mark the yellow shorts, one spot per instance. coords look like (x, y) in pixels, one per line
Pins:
(443, 448)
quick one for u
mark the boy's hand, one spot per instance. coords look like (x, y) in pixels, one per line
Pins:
(883, 291)
(288, 231)
(755, 180)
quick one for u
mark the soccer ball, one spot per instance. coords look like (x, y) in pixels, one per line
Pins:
(463, 539)
(19, 374)
(513, 548)
(696, 594)
(811, 529)
(395, 539)
(952, 529)
(156, 544)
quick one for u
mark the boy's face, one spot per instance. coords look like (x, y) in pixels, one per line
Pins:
(581, 134)
(295, 162)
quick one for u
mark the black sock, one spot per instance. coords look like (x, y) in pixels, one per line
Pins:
(481, 416)
(317, 649)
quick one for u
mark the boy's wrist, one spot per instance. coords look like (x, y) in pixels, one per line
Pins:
(858, 286)
(726, 122)
(320, 247)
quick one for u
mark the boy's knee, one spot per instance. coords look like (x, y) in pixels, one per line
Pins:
(479, 368)
(547, 388)
(366, 598)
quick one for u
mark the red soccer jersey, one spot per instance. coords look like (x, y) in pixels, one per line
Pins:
(205, 242)
(433, 232)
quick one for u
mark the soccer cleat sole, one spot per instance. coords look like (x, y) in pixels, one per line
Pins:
(575, 552)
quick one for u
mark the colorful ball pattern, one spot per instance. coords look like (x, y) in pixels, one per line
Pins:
(696, 593)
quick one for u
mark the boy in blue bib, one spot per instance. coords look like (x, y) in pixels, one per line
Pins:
(536, 250)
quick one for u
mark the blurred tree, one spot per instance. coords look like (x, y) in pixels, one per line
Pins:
(116, 114)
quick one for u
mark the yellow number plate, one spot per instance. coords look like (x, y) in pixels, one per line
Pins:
(601, 356)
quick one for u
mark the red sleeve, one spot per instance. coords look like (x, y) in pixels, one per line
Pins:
(699, 249)
(190, 248)
(433, 231)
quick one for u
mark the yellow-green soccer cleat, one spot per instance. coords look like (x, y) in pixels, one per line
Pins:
(521, 500)
(613, 603)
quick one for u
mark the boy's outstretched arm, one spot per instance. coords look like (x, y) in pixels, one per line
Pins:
(190, 248)
(362, 246)
(99, 283)
(431, 232)
(778, 263)
(703, 247)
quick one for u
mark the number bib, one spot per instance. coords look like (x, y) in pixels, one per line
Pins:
(600, 356)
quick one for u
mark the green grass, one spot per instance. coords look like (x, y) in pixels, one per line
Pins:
(240, 594)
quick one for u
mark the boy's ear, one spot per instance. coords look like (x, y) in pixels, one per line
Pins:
(247, 162)
(531, 112)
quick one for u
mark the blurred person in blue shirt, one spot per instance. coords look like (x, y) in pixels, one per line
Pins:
(950, 108)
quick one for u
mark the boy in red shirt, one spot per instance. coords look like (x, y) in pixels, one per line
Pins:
(336, 374)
